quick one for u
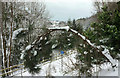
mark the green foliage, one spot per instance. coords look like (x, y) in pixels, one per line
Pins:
(67, 40)
(109, 27)
(79, 28)
(105, 32)
(74, 26)
(43, 49)
(69, 22)
(64, 41)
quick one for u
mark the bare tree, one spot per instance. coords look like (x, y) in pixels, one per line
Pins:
(111, 4)
(17, 16)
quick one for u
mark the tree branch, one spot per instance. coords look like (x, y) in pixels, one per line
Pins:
(105, 53)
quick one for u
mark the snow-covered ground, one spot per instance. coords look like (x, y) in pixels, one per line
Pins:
(65, 67)
(106, 70)
(55, 67)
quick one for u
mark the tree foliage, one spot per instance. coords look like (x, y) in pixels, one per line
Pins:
(108, 28)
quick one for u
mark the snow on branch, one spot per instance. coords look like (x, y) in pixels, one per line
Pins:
(62, 28)
(82, 37)
(16, 32)
(105, 52)
(26, 49)
(35, 42)
(29, 47)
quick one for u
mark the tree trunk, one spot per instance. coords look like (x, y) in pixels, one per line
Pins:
(3, 41)
(0, 36)
(11, 33)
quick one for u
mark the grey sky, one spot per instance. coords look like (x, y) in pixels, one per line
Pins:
(73, 9)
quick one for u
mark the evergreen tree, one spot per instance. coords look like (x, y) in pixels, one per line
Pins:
(105, 32)
(35, 56)
(74, 24)
(108, 29)
(69, 22)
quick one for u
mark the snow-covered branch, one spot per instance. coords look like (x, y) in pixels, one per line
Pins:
(23, 52)
(105, 52)
(29, 47)
(16, 32)
(34, 43)
(60, 28)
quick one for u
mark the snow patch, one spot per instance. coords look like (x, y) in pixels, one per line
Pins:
(112, 48)
(81, 44)
(35, 53)
(70, 35)
(85, 52)
(16, 32)
(45, 38)
(68, 39)
(41, 38)
(64, 28)
(104, 40)
(47, 42)
(90, 42)
(23, 52)
(28, 47)
(83, 37)
(107, 54)
(74, 31)
(69, 44)
(98, 47)
(22, 56)
(54, 45)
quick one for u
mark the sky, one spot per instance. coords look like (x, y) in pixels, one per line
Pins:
(63, 10)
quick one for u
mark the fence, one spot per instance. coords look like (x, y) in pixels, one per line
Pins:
(11, 70)
(44, 62)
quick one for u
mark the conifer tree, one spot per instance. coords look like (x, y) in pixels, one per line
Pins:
(107, 30)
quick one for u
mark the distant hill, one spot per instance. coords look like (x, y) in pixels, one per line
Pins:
(85, 22)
